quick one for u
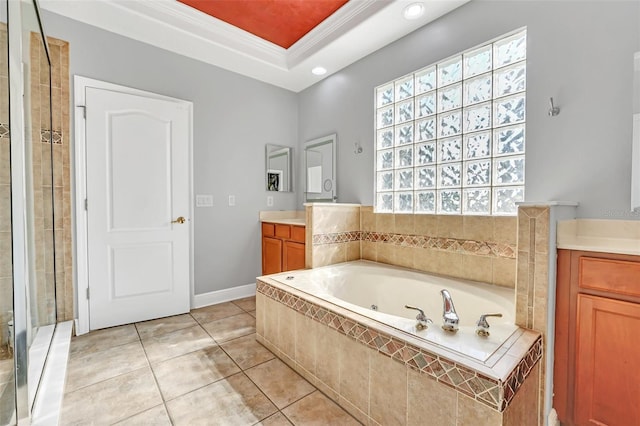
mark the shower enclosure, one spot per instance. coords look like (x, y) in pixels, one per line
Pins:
(30, 209)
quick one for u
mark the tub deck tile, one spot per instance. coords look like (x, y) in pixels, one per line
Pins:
(493, 392)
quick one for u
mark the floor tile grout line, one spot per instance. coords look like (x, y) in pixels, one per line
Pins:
(248, 368)
(273, 402)
(81, 355)
(103, 380)
(271, 415)
(242, 370)
(214, 345)
(223, 318)
(155, 379)
(81, 351)
(179, 355)
(167, 332)
(204, 386)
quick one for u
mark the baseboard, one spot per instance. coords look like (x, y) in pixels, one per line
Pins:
(224, 295)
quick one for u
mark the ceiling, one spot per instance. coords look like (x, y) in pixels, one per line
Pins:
(282, 22)
(278, 45)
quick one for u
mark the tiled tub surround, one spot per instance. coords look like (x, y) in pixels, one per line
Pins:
(479, 248)
(384, 376)
(333, 233)
(536, 280)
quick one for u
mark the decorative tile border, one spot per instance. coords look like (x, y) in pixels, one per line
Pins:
(47, 135)
(479, 248)
(337, 237)
(4, 131)
(521, 372)
(493, 393)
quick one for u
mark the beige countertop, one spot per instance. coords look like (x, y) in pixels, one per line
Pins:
(290, 221)
(606, 236)
(286, 217)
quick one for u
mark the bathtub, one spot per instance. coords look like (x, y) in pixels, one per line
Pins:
(380, 292)
(377, 364)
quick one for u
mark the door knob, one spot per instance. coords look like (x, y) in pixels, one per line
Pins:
(179, 220)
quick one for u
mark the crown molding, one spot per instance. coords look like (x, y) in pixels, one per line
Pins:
(357, 29)
(343, 20)
(192, 21)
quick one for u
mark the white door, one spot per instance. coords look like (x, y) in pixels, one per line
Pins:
(137, 152)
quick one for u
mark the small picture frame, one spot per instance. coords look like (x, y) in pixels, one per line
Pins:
(274, 180)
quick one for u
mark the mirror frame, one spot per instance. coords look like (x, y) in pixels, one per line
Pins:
(332, 140)
(288, 185)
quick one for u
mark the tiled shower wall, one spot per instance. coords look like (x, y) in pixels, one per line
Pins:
(58, 136)
(62, 163)
(480, 248)
(6, 280)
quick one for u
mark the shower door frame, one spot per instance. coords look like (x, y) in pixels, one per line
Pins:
(19, 221)
(25, 397)
(18, 208)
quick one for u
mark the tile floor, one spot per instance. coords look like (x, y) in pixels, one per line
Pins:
(201, 368)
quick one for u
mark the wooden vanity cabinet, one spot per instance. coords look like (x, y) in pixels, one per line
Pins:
(283, 247)
(597, 339)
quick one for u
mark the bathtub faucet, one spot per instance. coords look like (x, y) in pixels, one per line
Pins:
(449, 315)
(423, 321)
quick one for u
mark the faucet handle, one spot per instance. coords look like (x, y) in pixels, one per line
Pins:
(483, 324)
(423, 321)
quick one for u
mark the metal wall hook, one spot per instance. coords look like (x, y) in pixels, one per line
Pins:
(554, 110)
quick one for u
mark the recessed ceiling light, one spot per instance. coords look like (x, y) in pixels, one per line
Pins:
(413, 11)
(319, 71)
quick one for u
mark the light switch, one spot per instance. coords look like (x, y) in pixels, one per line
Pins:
(204, 200)
(269, 201)
(232, 200)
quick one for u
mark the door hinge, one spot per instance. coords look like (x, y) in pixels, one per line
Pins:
(86, 204)
(87, 293)
(84, 111)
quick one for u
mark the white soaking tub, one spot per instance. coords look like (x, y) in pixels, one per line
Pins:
(380, 293)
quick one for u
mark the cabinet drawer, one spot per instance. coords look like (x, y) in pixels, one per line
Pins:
(268, 229)
(613, 276)
(283, 231)
(298, 234)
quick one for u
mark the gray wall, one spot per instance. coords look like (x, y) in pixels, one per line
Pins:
(234, 117)
(580, 53)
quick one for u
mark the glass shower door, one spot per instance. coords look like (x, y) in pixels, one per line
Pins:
(7, 370)
(43, 195)
(33, 212)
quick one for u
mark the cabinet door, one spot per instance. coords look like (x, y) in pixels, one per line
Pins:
(607, 388)
(293, 256)
(271, 255)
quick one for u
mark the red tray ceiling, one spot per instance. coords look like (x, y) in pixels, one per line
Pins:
(282, 22)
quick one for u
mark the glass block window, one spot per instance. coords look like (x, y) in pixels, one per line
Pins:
(450, 138)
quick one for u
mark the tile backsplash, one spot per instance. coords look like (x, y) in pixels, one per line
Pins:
(481, 248)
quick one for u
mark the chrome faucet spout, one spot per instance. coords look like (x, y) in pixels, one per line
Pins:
(449, 316)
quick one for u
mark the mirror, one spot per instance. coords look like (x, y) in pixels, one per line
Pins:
(320, 169)
(278, 176)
